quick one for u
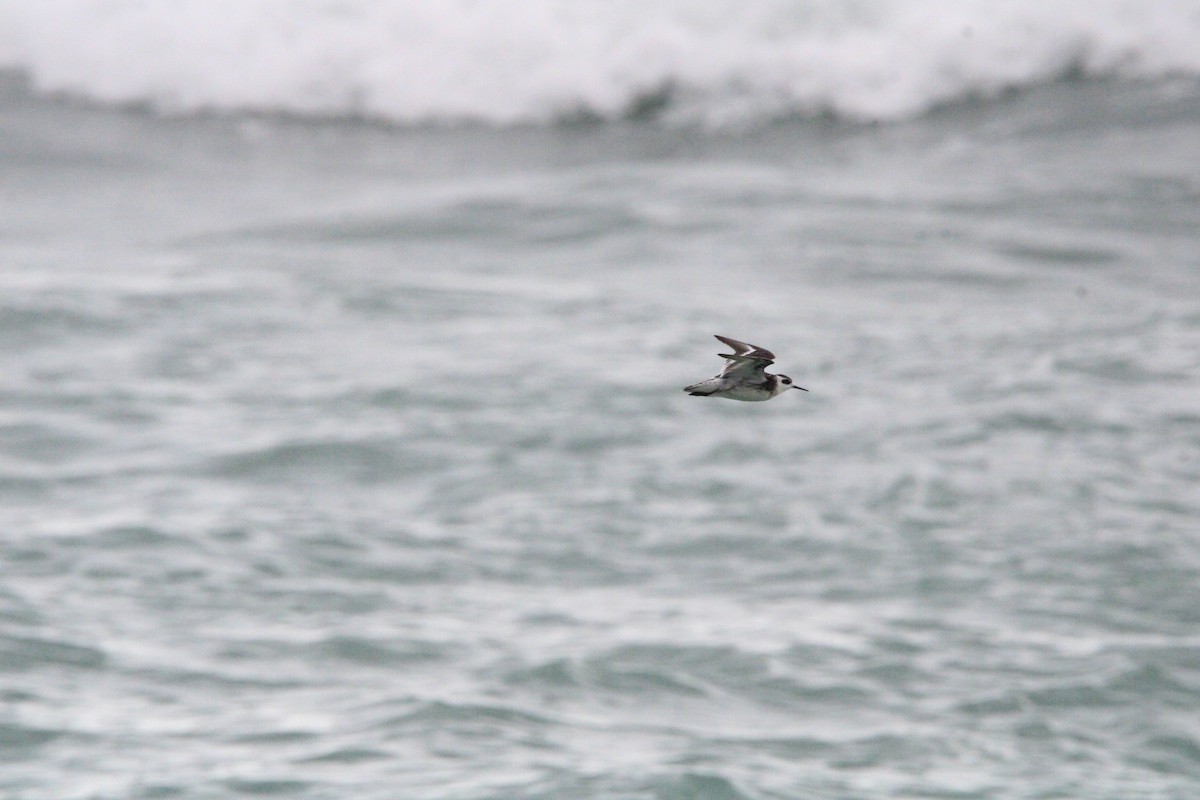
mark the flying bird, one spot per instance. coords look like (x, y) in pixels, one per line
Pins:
(744, 376)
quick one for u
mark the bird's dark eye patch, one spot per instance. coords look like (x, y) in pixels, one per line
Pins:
(787, 380)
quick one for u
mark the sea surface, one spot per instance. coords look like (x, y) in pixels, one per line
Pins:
(342, 446)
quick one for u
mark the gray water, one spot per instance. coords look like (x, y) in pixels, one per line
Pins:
(347, 461)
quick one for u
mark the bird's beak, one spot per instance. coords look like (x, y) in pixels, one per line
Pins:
(801, 388)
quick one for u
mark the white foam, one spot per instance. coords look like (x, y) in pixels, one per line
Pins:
(540, 60)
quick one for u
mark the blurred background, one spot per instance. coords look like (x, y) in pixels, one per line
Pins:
(342, 446)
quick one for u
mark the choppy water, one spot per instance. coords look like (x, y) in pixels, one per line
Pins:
(350, 461)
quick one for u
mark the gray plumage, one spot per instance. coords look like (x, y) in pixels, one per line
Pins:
(744, 376)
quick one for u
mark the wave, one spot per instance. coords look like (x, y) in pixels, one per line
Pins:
(355, 460)
(716, 62)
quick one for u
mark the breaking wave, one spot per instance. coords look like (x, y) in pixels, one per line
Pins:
(543, 61)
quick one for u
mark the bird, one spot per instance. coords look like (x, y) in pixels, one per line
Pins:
(744, 376)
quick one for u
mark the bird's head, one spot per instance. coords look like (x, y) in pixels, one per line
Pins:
(786, 383)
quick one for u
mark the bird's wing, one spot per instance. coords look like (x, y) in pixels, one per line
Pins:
(743, 350)
(746, 369)
(746, 360)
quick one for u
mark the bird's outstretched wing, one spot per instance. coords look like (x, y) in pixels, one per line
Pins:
(746, 360)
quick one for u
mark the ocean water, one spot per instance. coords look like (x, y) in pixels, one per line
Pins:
(342, 446)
